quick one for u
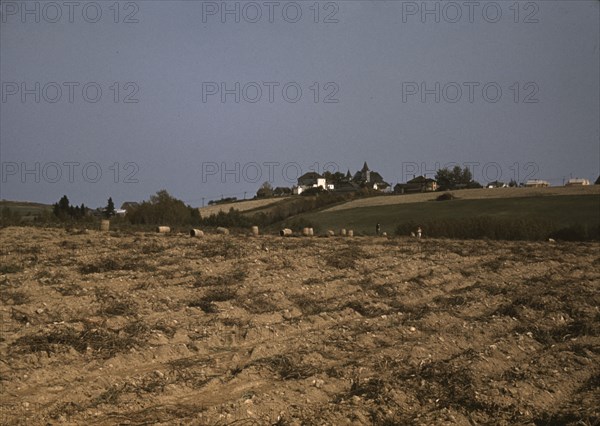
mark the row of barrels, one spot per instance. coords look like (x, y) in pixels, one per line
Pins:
(307, 232)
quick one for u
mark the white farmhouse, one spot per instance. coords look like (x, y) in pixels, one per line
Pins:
(310, 180)
(577, 182)
(536, 183)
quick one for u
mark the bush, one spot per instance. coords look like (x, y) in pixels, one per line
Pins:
(9, 217)
(446, 196)
(313, 191)
(163, 209)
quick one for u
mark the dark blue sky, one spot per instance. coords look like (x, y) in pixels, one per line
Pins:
(397, 84)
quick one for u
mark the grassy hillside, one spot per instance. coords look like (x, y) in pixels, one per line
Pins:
(472, 194)
(24, 208)
(564, 210)
(242, 206)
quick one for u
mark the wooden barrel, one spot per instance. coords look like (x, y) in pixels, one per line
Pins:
(105, 225)
(222, 231)
(343, 232)
(311, 232)
(350, 233)
(163, 229)
(285, 232)
(255, 231)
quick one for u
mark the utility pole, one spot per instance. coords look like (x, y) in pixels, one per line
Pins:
(202, 201)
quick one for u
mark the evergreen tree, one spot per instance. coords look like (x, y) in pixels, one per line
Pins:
(110, 208)
(61, 209)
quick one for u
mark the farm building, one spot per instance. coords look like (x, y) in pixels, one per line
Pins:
(129, 205)
(369, 179)
(347, 187)
(536, 183)
(417, 184)
(310, 180)
(577, 182)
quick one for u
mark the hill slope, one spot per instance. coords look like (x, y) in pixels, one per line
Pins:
(471, 194)
(242, 206)
(362, 215)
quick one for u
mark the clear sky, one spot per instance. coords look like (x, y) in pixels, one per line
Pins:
(210, 99)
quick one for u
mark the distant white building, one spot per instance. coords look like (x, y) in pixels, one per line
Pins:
(577, 182)
(311, 180)
(497, 184)
(536, 183)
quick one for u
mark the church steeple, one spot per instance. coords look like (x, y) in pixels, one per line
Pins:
(365, 168)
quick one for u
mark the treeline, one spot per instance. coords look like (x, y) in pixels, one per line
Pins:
(160, 209)
(163, 209)
(63, 210)
(500, 228)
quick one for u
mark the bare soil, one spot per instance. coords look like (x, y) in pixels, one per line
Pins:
(117, 328)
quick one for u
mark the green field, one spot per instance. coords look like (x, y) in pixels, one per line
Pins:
(563, 210)
(24, 208)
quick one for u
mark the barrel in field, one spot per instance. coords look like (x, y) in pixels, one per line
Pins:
(196, 233)
(255, 231)
(105, 225)
(285, 232)
(163, 229)
(222, 231)
(350, 233)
